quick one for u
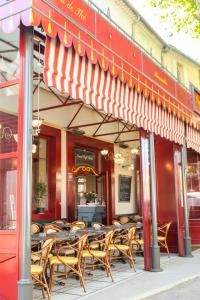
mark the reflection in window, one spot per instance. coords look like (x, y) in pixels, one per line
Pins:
(9, 56)
(8, 186)
(193, 190)
(40, 165)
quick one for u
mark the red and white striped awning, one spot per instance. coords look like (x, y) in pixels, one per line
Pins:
(193, 138)
(77, 76)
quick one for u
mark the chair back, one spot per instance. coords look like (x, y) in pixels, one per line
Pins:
(124, 219)
(131, 234)
(35, 228)
(76, 247)
(59, 222)
(97, 225)
(108, 239)
(164, 229)
(42, 256)
(80, 224)
(116, 223)
(51, 228)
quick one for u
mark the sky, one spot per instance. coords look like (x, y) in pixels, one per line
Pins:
(185, 44)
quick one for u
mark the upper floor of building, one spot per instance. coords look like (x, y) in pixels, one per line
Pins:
(126, 18)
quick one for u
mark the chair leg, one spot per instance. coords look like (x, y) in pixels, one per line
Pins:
(47, 288)
(167, 249)
(82, 283)
(51, 277)
(109, 268)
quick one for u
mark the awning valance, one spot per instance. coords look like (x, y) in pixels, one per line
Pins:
(78, 77)
(193, 138)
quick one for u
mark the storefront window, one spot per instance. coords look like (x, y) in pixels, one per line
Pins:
(9, 56)
(40, 169)
(8, 187)
(193, 190)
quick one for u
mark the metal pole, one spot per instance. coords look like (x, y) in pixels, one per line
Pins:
(25, 282)
(187, 239)
(155, 249)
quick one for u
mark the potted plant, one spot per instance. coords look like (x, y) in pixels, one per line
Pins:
(40, 192)
(90, 196)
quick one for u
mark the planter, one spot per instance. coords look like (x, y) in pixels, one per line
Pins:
(40, 210)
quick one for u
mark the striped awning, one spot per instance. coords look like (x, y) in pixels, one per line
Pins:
(193, 138)
(75, 75)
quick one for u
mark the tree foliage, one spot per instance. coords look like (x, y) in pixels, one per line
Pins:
(184, 15)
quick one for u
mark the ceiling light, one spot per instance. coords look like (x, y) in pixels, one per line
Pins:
(104, 152)
(134, 151)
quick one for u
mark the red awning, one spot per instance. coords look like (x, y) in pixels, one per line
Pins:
(193, 138)
(75, 75)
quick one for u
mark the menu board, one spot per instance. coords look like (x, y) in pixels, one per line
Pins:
(124, 188)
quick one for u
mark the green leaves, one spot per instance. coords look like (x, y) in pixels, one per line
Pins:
(184, 15)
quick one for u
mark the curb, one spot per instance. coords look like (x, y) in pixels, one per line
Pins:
(164, 288)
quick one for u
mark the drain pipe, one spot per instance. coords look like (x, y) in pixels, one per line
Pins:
(155, 249)
(187, 239)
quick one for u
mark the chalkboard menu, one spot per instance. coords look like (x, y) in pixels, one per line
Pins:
(124, 188)
(84, 157)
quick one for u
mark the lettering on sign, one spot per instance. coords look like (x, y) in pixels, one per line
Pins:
(84, 157)
(78, 11)
(160, 78)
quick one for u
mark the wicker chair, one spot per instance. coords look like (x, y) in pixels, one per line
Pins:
(80, 224)
(51, 228)
(122, 243)
(70, 263)
(162, 235)
(38, 267)
(101, 256)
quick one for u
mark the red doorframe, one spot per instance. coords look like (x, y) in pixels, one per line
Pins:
(74, 141)
(179, 201)
(54, 173)
(145, 196)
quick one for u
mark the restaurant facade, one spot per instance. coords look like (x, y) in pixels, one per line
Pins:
(85, 111)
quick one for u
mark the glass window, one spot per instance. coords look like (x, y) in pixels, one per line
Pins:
(40, 168)
(8, 188)
(180, 72)
(193, 190)
(9, 56)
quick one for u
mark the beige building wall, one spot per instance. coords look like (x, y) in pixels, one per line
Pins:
(122, 15)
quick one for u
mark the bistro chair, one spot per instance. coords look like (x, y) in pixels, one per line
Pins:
(97, 225)
(38, 267)
(51, 228)
(35, 228)
(59, 222)
(69, 262)
(116, 223)
(80, 224)
(100, 256)
(162, 235)
(124, 219)
(124, 248)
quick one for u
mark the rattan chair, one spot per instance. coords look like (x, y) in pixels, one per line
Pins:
(162, 235)
(38, 267)
(116, 223)
(100, 256)
(35, 228)
(124, 219)
(122, 243)
(51, 228)
(71, 263)
(80, 224)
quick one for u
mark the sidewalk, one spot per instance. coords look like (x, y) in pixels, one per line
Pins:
(176, 270)
(130, 285)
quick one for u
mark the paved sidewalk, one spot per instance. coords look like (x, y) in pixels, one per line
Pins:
(176, 270)
(130, 285)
